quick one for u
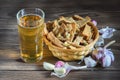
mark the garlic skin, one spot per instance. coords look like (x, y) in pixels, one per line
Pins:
(107, 32)
(94, 22)
(106, 61)
(60, 71)
(90, 62)
(110, 53)
(100, 42)
(48, 66)
(98, 53)
(59, 64)
(103, 56)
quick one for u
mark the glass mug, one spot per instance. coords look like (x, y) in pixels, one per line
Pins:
(30, 28)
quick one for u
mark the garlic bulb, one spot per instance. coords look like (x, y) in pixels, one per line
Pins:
(103, 55)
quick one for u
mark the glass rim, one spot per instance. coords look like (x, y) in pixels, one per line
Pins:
(31, 9)
(29, 14)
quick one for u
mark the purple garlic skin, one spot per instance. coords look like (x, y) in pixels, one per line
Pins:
(94, 22)
(104, 56)
(106, 61)
(110, 53)
(59, 64)
(98, 53)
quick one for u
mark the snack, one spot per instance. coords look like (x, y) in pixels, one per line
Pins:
(70, 38)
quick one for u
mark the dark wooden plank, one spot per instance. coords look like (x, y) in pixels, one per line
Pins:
(10, 60)
(9, 12)
(106, 18)
(74, 75)
(83, 4)
(106, 12)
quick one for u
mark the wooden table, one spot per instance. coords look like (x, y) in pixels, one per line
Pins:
(105, 12)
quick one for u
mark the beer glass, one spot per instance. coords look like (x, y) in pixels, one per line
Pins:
(30, 28)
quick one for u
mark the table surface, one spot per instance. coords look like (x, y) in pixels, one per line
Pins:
(105, 12)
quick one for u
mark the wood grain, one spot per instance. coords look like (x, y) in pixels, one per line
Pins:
(74, 75)
(105, 12)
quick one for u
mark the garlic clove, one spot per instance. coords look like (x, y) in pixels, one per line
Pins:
(90, 62)
(48, 66)
(112, 57)
(106, 61)
(110, 53)
(60, 71)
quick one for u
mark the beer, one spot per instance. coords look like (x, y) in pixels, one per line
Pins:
(30, 30)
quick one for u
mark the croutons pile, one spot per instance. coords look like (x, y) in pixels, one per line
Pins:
(70, 32)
